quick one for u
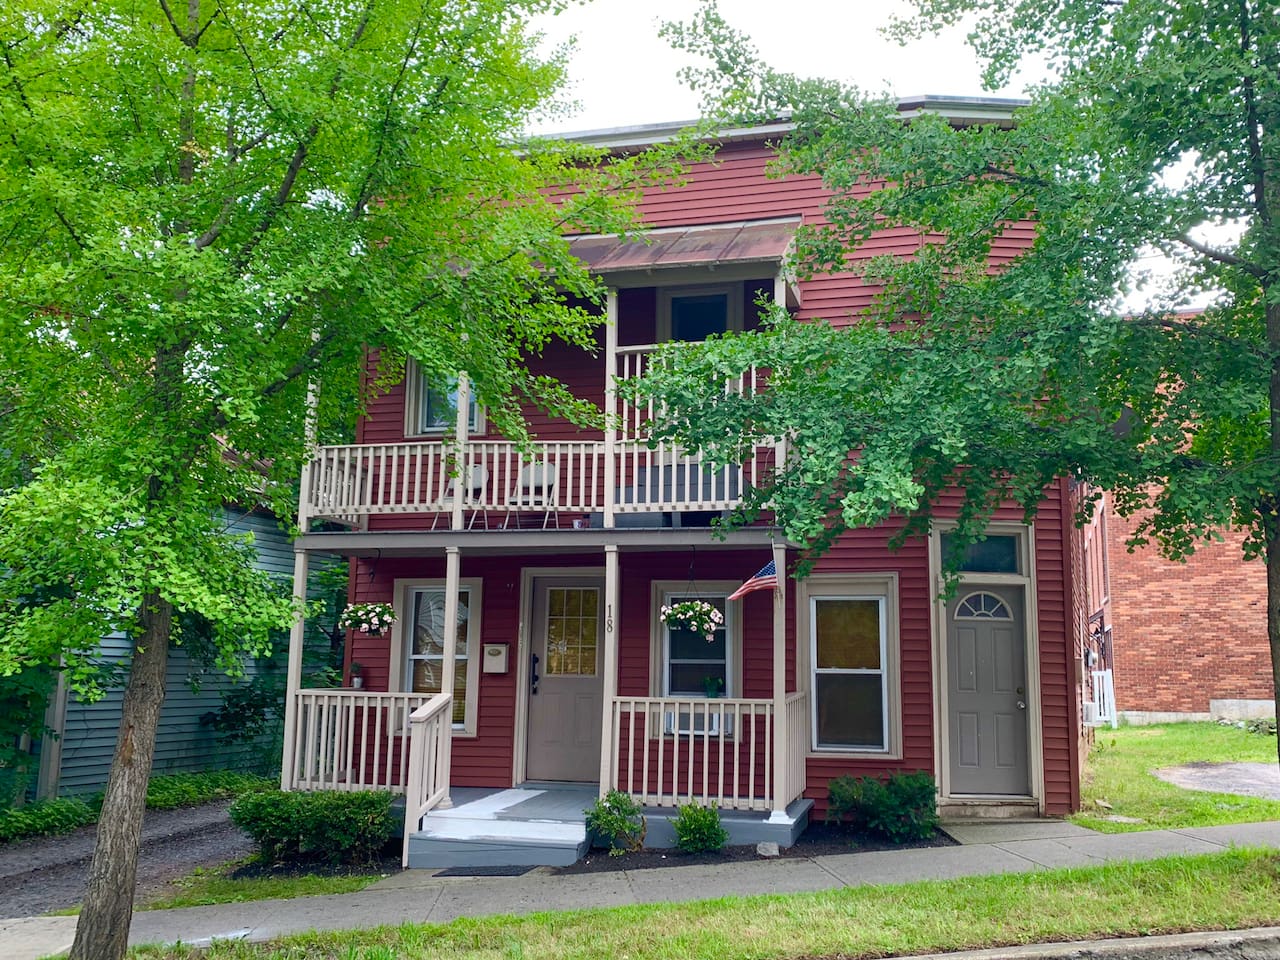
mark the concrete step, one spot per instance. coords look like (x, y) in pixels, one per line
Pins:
(464, 842)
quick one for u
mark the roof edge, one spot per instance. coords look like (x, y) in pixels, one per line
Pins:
(959, 109)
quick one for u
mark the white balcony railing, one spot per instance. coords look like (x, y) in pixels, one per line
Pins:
(351, 740)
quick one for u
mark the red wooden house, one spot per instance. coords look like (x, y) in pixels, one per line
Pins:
(551, 569)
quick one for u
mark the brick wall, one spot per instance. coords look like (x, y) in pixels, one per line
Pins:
(1186, 633)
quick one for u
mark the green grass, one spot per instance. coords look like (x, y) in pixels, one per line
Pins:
(215, 886)
(1118, 772)
(1177, 894)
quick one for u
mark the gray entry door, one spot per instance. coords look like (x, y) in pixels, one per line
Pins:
(987, 692)
(565, 703)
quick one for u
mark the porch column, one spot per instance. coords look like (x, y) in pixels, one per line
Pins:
(780, 444)
(608, 736)
(780, 760)
(452, 564)
(293, 675)
(462, 481)
(610, 407)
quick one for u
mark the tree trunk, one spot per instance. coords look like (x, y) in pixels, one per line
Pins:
(103, 930)
(1271, 504)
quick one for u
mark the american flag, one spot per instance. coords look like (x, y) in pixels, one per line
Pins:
(766, 579)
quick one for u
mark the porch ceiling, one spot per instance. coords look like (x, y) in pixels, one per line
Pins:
(471, 542)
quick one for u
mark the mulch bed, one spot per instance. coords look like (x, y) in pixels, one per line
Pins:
(387, 862)
(818, 839)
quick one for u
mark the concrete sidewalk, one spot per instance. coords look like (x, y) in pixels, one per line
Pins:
(420, 896)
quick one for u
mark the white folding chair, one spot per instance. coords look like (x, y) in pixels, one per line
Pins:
(535, 490)
(472, 497)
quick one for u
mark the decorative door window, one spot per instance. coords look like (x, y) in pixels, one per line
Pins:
(573, 631)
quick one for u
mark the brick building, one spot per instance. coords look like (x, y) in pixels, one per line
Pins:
(1186, 640)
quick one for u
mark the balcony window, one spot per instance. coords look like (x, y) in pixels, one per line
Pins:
(433, 408)
(695, 313)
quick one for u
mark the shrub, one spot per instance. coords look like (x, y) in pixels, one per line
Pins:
(1266, 728)
(172, 790)
(698, 829)
(616, 822)
(326, 825)
(902, 809)
(44, 818)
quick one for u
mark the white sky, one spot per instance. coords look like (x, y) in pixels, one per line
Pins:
(623, 74)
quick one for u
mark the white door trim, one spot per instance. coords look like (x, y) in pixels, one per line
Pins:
(524, 640)
(1030, 626)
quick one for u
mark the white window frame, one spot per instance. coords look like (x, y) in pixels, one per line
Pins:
(415, 390)
(660, 663)
(401, 657)
(882, 588)
(733, 304)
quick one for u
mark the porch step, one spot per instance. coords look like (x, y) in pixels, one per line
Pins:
(517, 827)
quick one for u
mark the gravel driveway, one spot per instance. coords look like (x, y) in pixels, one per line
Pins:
(50, 873)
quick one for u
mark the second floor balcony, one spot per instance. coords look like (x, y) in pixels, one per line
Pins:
(712, 280)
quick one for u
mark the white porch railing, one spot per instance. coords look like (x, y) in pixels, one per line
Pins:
(797, 731)
(429, 745)
(351, 740)
(668, 751)
(1102, 708)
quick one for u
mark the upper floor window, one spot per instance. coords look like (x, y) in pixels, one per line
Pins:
(695, 313)
(432, 408)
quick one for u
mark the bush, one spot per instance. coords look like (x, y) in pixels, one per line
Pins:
(616, 822)
(329, 825)
(1266, 728)
(45, 818)
(698, 829)
(172, 790)
(903, 809)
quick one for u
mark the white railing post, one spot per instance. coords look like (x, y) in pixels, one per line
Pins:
(293, 674)
(608, 735)
(780, 761)
(610, 406)
(461, 464)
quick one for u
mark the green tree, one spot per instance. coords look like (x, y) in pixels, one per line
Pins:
(1160, 131)
(204, 208)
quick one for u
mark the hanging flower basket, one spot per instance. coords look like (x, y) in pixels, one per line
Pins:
(373, 619)
(695, 615)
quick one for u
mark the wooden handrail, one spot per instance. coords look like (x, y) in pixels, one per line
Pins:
(430, 740)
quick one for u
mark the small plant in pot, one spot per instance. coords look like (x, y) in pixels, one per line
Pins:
(357, 675)
(713, 687)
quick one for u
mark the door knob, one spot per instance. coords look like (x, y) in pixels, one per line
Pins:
(1022, 705)
(533, 673)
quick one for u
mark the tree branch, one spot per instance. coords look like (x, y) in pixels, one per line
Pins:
(1221, 256)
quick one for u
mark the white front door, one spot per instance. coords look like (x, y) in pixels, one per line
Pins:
(987, 692)
(566, 682)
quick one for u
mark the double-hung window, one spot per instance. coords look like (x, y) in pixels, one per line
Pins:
(425, 639)
(433, 406)
(692, 666)
(853, 662)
